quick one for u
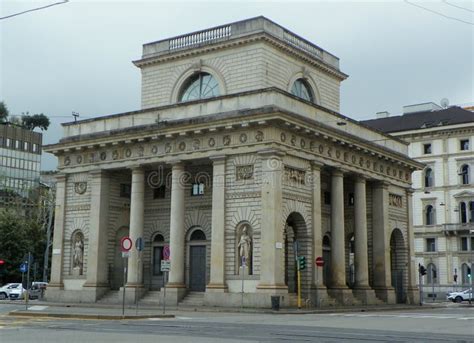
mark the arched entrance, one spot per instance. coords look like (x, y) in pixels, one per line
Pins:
(197, 260)
(297, 243)
(327, 261)
(116, 279)
(157, 245)
(398, 264)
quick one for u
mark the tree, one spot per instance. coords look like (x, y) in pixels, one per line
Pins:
(35, 121)
(3, 112)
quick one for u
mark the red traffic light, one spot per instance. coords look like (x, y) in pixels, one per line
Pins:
(2, 262)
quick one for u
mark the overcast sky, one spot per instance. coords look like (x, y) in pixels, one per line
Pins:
(77, 56)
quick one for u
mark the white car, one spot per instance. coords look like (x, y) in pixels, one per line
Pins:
(6, 290)
(458, 297)
(17, 293)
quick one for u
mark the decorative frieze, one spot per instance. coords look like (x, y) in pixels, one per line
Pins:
(80, 187)
(244, 172)
(395, 200)
(243, 195)
(82, 207)
(295, 175)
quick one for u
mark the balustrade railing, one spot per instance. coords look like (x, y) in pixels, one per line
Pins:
(200, 37)
(302, 44)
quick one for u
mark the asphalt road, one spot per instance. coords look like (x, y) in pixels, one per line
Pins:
(453, 324)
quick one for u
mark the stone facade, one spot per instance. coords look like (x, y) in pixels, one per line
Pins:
(255, 170)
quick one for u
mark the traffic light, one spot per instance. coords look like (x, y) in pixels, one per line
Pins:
(2, 267)
(301, 262)
(422, 270)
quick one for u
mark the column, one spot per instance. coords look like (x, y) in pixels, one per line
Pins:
(177, 246)
(413, 291)
(137, 207)
(217, 278)
(361, 289)
(97, 269)
(272, 271)
(381, 243)
(56, 278)
(338, 262)
(319, 293)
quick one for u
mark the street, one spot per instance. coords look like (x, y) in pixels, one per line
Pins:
(450, 324)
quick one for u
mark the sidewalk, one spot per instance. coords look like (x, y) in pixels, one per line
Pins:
(114, 312)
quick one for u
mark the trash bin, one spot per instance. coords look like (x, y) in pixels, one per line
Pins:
(275, 302)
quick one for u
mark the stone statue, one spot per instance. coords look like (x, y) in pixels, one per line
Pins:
(78, 253)
(244, 246)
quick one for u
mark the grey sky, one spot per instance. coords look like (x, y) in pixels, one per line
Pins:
(77, 56)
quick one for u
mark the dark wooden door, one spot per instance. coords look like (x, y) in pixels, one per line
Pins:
(197, 270)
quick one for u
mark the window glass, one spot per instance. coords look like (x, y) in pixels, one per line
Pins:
(200, 86)
(302, 90)
(157, 257)
(427, 148)
(465, 174)
(464, 243)
(429, 177)
(430, 244)
(464, 144)
(462, 208)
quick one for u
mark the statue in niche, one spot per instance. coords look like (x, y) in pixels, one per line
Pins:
(78, 255)
(245, 248)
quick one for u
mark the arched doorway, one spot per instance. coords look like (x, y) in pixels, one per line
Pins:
(197, 260)
(297, 243)
(327, 260)
(116, 280)
(157, 245)
(398, 264)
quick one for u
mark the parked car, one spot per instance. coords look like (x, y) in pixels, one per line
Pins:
(458, 297)
(17, 292)
(37, 290)
(5, 290)
(40, 284)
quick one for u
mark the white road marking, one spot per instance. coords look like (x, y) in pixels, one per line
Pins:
(411, 316)
(37, 308)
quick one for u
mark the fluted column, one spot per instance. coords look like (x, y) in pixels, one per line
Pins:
(177, 246)
(272, 272)
(97, 273)
(217, 282)
(338, 263)
(56, 278)
(137, 208)
(360, 234)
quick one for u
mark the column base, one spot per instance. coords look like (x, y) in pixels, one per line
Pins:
(133, 293)
(343, 295)
(95, 291)
(413, 296)
(386, 294)
(272, 289)
(319, 297)
(366, 295)
(174, 294)
(216, 288)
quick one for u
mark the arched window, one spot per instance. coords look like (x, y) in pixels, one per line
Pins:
(465, 270)
(157, 250)
(198, 235)
(199, 86)
(430, 219)
(463, 210)
(431, 273)
(464, 174)
(158, 238)
(302, 90)
(429, 177)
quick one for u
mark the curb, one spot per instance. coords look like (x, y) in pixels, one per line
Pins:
(85, 316)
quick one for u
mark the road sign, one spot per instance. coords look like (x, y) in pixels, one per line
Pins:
(166, 252)
(126, 244)
(125, 254)
(319, 261)
(139, 244)
(165, 265)
(24, 267)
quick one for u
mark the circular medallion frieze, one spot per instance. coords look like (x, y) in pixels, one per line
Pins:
(243, 138)
(168, 147)
(321, 148)
(67, 161)
(182, 146)
(259, 136)
(140, 151)
(115, 155)
(211, 142)
(196, 144)
(103, 155)
(354, 159)
(79, 159)
(293, 140)
(283, 137)
(154, 149)
(303, 143)
(128, 152)
(80, 187)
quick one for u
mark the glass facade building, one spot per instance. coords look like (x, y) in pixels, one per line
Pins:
(20, 162)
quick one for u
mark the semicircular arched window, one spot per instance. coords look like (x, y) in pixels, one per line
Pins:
(198, 235)
(302, 90)
(199, 86)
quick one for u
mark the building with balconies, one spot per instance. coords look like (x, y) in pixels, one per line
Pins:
(443, 199)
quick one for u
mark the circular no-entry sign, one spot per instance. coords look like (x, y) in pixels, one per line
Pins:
(166, 252)
(126, 244)
(319, 261)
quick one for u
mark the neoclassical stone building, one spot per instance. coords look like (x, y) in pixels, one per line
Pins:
(238, 150)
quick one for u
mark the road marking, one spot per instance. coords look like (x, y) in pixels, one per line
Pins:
(411, 316)
(37, 308)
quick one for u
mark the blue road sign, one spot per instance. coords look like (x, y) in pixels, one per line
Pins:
(24, 267)
(139, 244)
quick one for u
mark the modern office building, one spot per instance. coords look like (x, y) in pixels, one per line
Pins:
(20, 162)
(443, 201)
(239, 161)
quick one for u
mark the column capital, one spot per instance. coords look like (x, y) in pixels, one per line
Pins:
(381, 184)
(135, 167)
(337, 172)
(359, 178)
(317, 165)
(218, 159)
(61, 177)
